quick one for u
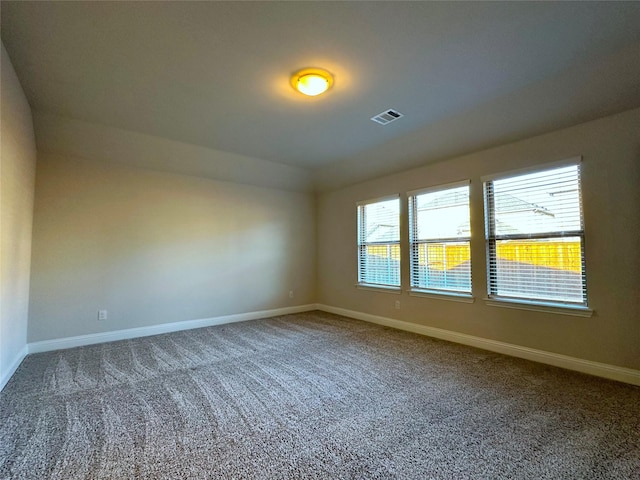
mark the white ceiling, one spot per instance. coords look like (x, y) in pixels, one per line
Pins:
(216, 74)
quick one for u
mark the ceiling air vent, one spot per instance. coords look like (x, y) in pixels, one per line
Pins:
(387, 116)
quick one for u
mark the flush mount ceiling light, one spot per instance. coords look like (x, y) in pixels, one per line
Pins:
(312, 81)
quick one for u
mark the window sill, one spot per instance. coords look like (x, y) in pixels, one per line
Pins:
(443, 295)
(547, 307)
(379, 288)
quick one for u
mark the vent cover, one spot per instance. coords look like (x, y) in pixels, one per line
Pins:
(387, 116)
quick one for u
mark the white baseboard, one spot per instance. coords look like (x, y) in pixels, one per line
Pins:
(612, 372)
(5, 376)
(91, 339)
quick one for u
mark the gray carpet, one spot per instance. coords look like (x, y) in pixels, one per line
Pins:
(312, 395)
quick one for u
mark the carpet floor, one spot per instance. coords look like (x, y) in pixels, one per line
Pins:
(311, 395)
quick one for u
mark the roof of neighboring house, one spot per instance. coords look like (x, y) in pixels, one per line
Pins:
(383, 233)
(506, 203)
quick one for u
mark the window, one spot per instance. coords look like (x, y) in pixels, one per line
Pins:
(439, 232)
(379, 242)
(535, 236)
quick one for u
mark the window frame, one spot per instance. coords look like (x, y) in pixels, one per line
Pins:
(414, 244)
(491, 239)
(362, 245)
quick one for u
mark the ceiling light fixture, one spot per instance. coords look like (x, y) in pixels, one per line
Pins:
(312, 81)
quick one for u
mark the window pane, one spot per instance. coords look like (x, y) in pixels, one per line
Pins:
(439, 226)
(443, 214)
(540, 269)
(380, 264)
(443, 265)
(379, 243)
(541, 202)
(381, 222)
(535, 236)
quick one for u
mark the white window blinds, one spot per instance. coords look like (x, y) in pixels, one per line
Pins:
(439, 230)
(379, 242)
(535, 236)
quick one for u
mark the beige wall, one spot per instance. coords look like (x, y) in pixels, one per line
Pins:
(611, 188)
(155, 247)
(17, 173)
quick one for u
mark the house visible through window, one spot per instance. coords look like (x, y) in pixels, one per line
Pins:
(439, 237)
(535, 236)
(379, 242)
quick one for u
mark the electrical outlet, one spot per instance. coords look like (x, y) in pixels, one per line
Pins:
(397, 304)
(103, 315)
(290, 293)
